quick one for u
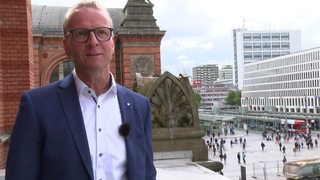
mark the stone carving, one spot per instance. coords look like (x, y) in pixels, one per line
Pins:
(143, 64)
(175, 118)
(171, 107)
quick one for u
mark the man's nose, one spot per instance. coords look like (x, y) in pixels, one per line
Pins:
(92, 37)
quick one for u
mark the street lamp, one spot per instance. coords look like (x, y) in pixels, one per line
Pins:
(285, 113)
(307, 120)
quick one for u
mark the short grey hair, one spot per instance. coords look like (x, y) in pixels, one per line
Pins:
(85, 3)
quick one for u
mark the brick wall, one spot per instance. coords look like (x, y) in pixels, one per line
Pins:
(141, 44)
(16, 68)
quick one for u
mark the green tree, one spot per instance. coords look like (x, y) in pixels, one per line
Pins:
(234, 98)
(197, 99)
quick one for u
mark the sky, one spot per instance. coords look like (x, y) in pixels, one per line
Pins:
(199, 32)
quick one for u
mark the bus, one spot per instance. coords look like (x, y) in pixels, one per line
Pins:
(302, 169)
(295, 125)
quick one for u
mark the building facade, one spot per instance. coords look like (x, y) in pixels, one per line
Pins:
(289, 83)
(206, 73)
(252, 46)
(32, 54)
(226, 72)
(213, 94)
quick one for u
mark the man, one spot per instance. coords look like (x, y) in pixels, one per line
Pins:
(86, 126)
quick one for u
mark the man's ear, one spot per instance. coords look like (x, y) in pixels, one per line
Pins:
(66, 48)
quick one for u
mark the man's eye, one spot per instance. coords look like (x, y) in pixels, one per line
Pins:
(82, 33)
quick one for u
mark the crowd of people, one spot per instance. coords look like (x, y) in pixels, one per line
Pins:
(217, 146)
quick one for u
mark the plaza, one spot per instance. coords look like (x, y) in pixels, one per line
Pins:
(260, 164)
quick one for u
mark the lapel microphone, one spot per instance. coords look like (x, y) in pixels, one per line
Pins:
(124, 129)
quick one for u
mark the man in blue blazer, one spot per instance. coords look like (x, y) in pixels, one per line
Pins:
(86, 126)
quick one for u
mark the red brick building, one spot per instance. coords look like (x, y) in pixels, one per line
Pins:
(31, 51)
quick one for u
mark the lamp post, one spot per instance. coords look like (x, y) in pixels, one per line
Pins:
(284, 103)
(307, 120)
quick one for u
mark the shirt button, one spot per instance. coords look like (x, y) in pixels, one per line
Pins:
(100, 154)
(98, 106)
(99, 129)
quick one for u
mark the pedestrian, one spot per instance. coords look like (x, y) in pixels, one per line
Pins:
(262, 146)
(316, 142)
(284, 160)
(85, 126)
(224, 158)
(280, 145)
(243, 157)
(243, 146)
(294, 150)
(284, 149)
(239, 157)
(221, 157)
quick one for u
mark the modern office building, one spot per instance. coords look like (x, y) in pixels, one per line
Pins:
(289, 84)
(226, 73)
(207, 74)
(252, 46)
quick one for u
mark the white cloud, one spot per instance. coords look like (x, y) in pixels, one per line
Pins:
(182, 57)
(186, 43)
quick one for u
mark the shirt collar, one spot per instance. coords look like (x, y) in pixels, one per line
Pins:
(80, 85)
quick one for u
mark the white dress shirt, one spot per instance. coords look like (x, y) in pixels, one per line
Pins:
(102, 119)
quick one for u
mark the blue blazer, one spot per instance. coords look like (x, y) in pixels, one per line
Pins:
(48, 140)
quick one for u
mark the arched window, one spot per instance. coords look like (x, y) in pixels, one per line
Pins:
(62, 70)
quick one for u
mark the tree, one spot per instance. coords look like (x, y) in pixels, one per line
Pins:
(234, 98)
(197, 99)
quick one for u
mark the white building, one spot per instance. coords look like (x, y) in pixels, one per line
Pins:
(289, 83)
(226, 73)
(252, 46)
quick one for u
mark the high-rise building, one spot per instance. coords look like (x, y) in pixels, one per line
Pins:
(226, 72)
(252, 46)
(207, 74)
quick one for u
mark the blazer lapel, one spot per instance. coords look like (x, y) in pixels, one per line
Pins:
(127, 115)
(70, 103)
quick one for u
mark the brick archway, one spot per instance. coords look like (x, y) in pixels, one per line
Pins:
(50, 65)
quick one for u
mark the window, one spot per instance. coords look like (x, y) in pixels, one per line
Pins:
(266, 37)
(247, 46)
(275, 36)
(285, 36)
(257, 56)
(266, 46)
(247, 56)
(257, 37)
(247, 37)
(256, 46)
(62, 70)
(275, 45)
(266, 55)
(285, 45)
(275, 54)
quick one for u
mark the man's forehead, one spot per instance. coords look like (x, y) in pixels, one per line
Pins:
(88, 13)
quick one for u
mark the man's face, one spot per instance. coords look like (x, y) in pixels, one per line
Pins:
(92, 56)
